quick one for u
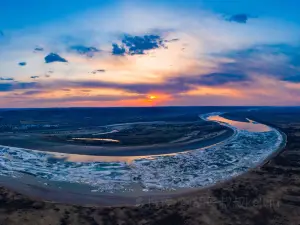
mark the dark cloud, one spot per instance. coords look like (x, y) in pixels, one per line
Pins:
(22, 63)
(39, 49)
(278, 61)
(34, 77)
(53, 57)
(6, 87)
(97, 98)
(185, 83)
(137, 45)
(48, 73)
(7, 79)
(172, 40)
(293, 79)
(215, 79)
(33, 92)
(172, 85)
(118, 50)
(65, 99)
(83, 50)
(98, 71)
(239, 18)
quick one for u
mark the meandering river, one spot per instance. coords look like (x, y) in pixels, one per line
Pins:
(251, 144)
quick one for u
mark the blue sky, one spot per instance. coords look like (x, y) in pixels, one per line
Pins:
(17, 14)
(160, 52)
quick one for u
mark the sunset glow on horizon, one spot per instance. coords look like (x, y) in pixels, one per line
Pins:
(163, 53)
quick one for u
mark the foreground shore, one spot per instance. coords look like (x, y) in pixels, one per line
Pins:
(269, 194)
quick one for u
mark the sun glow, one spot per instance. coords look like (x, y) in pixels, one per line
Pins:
(152, 97)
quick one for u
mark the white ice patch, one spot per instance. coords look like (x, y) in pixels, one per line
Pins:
(190, 169)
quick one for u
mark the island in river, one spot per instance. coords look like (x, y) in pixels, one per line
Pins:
(164, 131)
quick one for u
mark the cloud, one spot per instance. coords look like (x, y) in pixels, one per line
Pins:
(6, 79)
(293, 79)
(30, 97)
(7, 87)
(53, 57)
(22, 63)
(38, 49)
(215, 79)
(172, 40)
(279, 61)
(118, 50)
(98, 71)
(239, 18)
(34, 77)
(96, 98)
(83, 50)
(172, 85)
(186, 83)
(33, 92)
(140, 44)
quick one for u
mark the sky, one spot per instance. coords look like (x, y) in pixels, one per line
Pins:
(95, 53)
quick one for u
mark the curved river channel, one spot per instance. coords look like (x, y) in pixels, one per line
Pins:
(250, 145)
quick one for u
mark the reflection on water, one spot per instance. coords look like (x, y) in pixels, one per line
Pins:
(93, 158)
(97, 139)
(248, 126)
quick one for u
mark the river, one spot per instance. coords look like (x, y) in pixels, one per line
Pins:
(251, 144)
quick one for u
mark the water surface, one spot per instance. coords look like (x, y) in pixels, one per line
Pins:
(251, 144)
(250, 126)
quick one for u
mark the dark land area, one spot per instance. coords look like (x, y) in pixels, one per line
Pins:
(269, 194)
(111, 131)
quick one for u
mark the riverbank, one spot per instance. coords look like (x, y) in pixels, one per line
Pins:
(266, 195)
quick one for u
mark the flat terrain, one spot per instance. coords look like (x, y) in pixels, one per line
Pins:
(120, 140)
(110, 131)
(266, 195)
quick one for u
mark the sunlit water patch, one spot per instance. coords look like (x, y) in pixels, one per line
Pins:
(250, 126)
(97, 139)
(200, 167)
